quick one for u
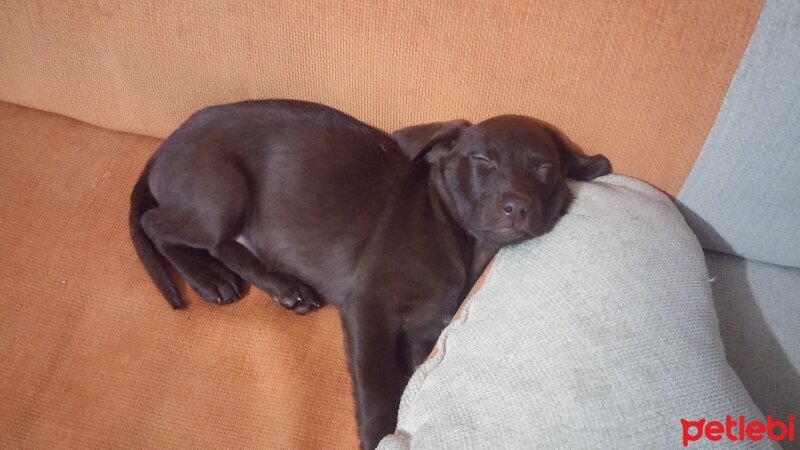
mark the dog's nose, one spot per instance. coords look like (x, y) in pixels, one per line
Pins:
(515, 208)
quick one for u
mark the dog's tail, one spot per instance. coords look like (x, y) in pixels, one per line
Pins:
(142, 200)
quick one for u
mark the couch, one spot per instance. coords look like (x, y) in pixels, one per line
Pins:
(698, 99)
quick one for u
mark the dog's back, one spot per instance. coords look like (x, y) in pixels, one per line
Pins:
(298, 183)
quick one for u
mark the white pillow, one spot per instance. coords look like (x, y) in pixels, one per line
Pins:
(601, 334)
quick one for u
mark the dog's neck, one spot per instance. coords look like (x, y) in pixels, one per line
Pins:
(481, 251)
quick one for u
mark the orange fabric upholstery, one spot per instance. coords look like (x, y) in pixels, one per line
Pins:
(639, 81)
(93, 357)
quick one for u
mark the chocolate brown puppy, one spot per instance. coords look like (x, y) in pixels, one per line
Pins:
(306, 202)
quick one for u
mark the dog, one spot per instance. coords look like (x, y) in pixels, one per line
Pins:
(307, 203)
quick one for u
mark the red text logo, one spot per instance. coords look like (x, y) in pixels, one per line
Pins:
(738, 430)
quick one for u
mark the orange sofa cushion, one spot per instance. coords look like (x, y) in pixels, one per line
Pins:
(93, 357)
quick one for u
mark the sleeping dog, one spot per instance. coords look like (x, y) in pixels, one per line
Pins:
(306, 202)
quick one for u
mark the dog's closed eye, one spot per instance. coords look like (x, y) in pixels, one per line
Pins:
(544, 172)
(483, 159)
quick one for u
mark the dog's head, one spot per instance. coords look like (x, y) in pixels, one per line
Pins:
(505, 178)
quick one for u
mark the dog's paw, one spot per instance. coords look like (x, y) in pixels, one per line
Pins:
(297, 297)
(217, 285)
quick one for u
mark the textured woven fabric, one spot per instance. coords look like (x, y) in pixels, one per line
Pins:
(639, 81)
(743, 195)
(94, 358)
(758, 306)
(602, 334)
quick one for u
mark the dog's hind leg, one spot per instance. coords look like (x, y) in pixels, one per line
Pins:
(214, 273)
(290, 292)
(196, 225)
(211, 279)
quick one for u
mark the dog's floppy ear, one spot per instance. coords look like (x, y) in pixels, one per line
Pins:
(577, 165)
(416, 141)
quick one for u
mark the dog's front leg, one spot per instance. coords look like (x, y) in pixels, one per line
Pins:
(378, 382)
(425, 324)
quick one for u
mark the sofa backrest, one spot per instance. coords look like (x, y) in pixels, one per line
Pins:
(638, 81)
(743, 195)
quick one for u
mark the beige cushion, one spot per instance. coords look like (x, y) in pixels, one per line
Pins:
(601, 334)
